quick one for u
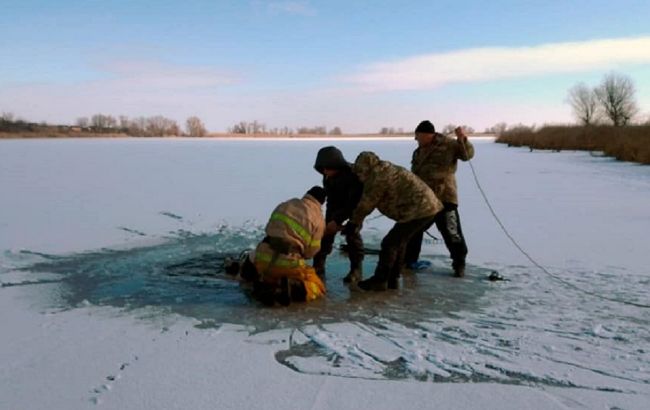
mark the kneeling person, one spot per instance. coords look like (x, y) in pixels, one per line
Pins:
(277, 267)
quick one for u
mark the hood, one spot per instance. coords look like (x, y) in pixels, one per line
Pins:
(365, 163)
(330, 157)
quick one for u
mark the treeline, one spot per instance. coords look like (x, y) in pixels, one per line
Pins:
(101, 124)
(629, 143)
(447, 129)
(155, 126)
(256, 127)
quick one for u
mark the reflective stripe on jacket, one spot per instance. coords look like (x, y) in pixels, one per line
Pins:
(300, 224)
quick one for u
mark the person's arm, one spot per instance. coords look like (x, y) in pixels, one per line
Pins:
(353, 191)
(372, 194)
(465, 148)
(317, 233)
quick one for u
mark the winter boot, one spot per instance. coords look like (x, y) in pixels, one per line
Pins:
(393, 283)
(459, 269)
(319, 267)
(297, 290)
(231, 266)
(264, 293)
(353, 276)
(282, 296)
(373, 283)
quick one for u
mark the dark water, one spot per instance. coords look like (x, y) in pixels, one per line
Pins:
(185, 275)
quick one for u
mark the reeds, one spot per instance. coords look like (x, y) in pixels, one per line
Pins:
(629, 143)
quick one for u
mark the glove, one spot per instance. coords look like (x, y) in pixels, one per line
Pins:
(350, 229)
(331, 228)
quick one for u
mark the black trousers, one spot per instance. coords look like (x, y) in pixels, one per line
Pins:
(354, 249)
(393, 247)
(448, 223)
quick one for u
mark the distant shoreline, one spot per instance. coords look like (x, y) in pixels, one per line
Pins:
(225, 136)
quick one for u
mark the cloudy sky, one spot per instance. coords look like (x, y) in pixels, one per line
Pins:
(360, 65)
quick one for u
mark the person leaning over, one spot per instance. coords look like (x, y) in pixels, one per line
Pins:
(402, 197)
(277, 267)
(343, 190)
(435, 162)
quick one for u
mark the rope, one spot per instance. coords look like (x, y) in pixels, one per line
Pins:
(432, 237)
(557, 278)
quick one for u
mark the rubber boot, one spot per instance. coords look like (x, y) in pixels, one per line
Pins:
(231, 266)
(459, 269)
(264, 293)
(353, 276)
(297, 291)
(319, 267)
(282, 296)
(373, 283)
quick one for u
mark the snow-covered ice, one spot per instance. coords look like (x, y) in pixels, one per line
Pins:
(112, 293)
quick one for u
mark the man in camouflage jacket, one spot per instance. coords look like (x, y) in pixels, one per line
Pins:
(435, 162)
(402, 197)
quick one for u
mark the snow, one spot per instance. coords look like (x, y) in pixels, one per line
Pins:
(98, 309)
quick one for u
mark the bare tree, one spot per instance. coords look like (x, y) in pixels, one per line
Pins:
(584, 102)
(448, 129)
(468, 129)
(111, 122)
(82, 122)
(616, 96)
(98, 121)
(239, 128)
(497, 129)
(137, 126)
(124, 122)
(195, 127)
(7, 117)
(159, 126)
(336, 131)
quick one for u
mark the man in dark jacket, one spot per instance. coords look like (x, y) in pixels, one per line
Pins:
(343, 193)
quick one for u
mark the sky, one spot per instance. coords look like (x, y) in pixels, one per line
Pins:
(352, 64)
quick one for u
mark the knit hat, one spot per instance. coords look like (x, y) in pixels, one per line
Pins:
(425, 127)
(318, 193)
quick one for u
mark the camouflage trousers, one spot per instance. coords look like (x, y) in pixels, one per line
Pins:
(393, 247)
(448, 223)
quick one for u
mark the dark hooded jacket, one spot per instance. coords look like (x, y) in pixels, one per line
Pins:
(343, 189)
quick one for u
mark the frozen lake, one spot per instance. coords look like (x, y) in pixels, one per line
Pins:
(143, 224)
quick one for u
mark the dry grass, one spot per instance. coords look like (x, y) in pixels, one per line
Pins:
(302, 136)
(54, 134)
(631, 143)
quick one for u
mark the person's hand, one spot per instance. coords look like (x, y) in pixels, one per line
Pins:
(350, 229)
(331, 228)
(460, 134)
